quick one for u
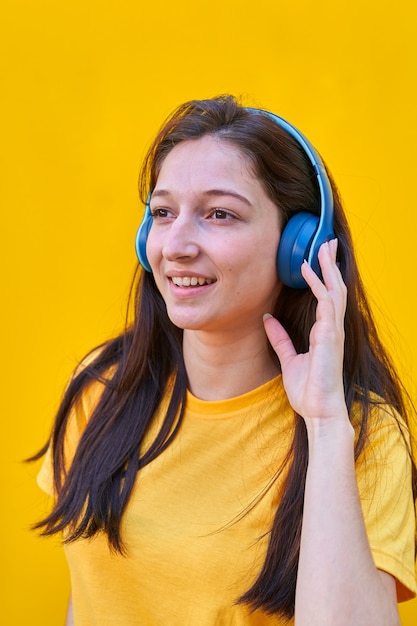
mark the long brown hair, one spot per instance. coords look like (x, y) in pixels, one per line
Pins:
(134, 368)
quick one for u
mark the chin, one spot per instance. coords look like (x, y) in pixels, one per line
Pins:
(185, 323)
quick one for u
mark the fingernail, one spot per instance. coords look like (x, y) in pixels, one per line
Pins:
(266, 316)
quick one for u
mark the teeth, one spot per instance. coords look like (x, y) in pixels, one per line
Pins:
(190, 281)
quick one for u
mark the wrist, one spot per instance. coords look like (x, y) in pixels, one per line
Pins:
(336, 433)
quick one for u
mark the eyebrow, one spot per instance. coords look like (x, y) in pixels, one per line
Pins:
(211, 192)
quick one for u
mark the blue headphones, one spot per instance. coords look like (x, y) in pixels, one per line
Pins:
(302, 236)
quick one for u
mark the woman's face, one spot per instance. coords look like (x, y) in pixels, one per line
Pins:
(214, 238)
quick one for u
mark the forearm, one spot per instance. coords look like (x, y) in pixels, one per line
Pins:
(70, 616)
(338, 583)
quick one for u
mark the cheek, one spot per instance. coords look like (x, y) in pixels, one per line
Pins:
(265, 249)
(255, 265)
(153, 250)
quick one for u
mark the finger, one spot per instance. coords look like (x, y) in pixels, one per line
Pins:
(332, 286)
(327, 256)
(279, 339)
(332, 276)
(331, 304)
(312, 279)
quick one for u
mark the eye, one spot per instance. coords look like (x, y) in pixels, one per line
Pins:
(220, 214)
(160, 212)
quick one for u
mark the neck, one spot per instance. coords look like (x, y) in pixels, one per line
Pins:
(228, 366)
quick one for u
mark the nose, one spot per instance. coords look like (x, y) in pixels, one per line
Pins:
(181, 240)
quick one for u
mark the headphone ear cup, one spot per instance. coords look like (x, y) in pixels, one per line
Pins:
(140, 243)
(294, 248)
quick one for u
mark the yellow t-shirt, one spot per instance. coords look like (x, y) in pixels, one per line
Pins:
(195, 526)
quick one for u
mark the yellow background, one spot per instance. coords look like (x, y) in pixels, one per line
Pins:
(85, 85)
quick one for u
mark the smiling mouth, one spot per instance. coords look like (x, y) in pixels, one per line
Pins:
(191, 281)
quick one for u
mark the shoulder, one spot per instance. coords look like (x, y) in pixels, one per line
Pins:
(383, 421)
(95, 377)
(82, 395)
(384, 472)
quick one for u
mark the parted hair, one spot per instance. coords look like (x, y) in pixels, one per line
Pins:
(92, 494)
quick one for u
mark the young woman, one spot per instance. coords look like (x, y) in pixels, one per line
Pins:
(240, 454)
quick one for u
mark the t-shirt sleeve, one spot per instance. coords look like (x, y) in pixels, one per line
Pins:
(76, 424)
(77, 420)
(385, 487)
(45, 478)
